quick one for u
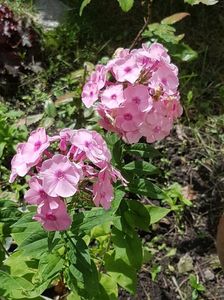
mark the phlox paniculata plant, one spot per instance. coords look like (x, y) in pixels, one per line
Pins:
(57, 167)
(136, 96)
(136, 93)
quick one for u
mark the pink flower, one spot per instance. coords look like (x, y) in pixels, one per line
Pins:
(90, 93)
(65, 137)
(60, 176)
(112, 96)
(18, 164)
(103, 190)
(126, 69)
(166, 78)
(36, 194)
(116, 175)
(92, 144)
(157, 52)
(35, 146)
(129, 118)
(132, 137)
(99, 76)
(106, 119)
(172, 107)
(139, 95)
(52, 214)
(156, 126)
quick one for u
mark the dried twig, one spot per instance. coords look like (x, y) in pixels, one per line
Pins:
(177, 288)
(146, 22)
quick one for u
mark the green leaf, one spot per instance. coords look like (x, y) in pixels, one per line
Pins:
(83, 5)
(126, 5)
(81, 274)
(13, 287)
(49, 109)
(154, 271)
(156, 213)
(73, 296)
(183, 52)
(137, 215)
(163, 33)
(9, 211)
(86, 221)
(207, 2)
(108, 288)
(118, 196)
(25, 227)
(146, 188)
(2, 146)
(121, 272)
(140, 167)
(35, 244)
(20, 265)
(49, 267)
(116, 147)
(128, 249)
(143, 150)
(25, 221)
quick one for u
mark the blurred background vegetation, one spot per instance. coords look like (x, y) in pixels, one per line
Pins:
(45, 90)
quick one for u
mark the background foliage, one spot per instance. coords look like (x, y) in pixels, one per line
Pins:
(170, 186)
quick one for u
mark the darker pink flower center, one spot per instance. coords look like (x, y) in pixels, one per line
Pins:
(60, 175)
(87, 144)
(114, 97)
(164, 81)
(42, 194)
(128, 117)
(37, 145)
(51, 217)
(136, 100)
(157, 129)
(127, 69)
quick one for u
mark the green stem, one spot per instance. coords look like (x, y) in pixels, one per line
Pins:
(69, 238)
(3, 248)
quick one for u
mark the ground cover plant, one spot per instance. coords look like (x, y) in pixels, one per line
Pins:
(105, 191)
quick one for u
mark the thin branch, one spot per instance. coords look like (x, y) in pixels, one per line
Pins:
(146, 22)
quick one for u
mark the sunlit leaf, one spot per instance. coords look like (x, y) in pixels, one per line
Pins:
(175, 18)
(126, 5)
(156, 213)
(83, 5)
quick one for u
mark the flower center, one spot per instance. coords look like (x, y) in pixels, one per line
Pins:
(136, 100)
(128, 117)
(127, 69)
(114, 97)
(42, 194)
(157, 129)
(60, 175)
(87, 144)
(51, 217)
(164, 81)
(37, 145)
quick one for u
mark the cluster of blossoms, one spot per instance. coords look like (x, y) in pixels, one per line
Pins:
(58, 166)
(137, 93)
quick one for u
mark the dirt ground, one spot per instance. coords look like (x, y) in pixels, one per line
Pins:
(199, 168)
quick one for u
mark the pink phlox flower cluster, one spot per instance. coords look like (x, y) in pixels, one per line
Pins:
(136, 94)
(58, 166)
